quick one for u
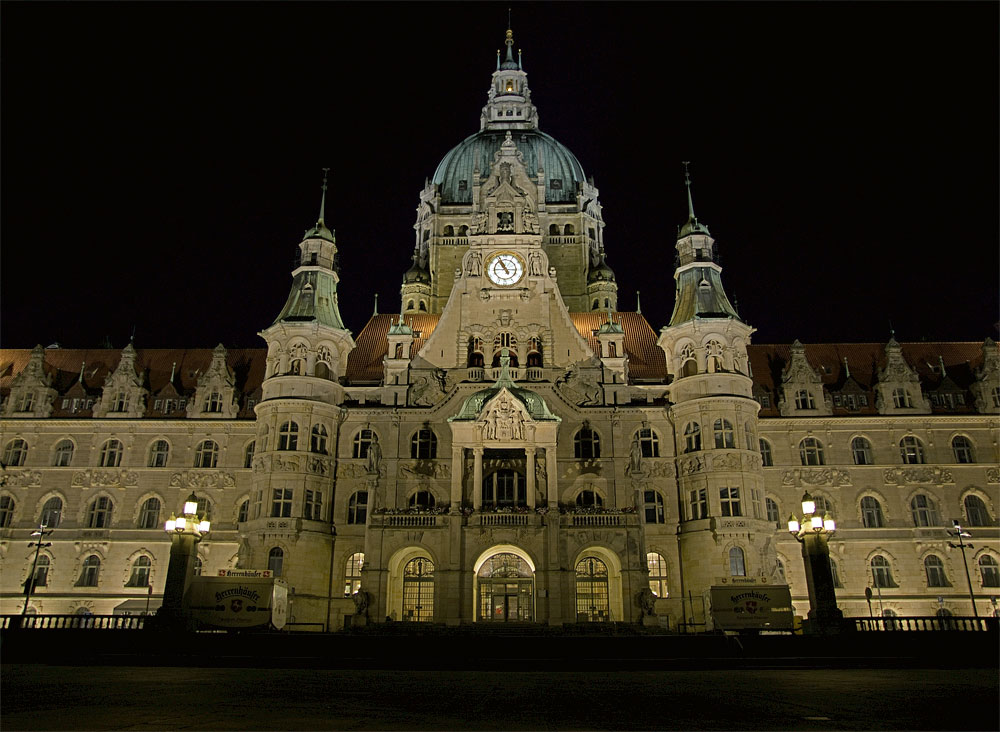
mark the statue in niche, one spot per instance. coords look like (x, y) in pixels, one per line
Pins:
(535, 264)
(505, 221)
(634, 457)
(540, 472)
(530, 222)
(374, 455)
(474, 268)
(504, 422)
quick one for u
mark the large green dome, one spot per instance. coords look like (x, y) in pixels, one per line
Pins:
(562, 170)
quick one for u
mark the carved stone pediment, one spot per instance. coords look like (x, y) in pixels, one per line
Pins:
(505, 419)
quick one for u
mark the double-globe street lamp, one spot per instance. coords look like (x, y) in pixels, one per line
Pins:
(814, 533)
(185, 532)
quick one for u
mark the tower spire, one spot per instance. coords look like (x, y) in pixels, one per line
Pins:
(322, 200)
(692, 226)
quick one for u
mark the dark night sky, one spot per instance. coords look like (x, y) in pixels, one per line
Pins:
(161, 161)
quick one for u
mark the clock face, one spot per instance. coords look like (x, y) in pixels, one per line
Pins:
(505, 268)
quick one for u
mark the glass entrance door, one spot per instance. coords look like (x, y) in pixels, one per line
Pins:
(506, 590)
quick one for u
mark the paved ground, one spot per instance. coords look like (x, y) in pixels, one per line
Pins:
(39, 697)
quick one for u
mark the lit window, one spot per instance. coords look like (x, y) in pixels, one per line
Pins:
(149, 514)
(730, 500)
(861, 450)
(881, 572)
(871, 513)
(592, 591)
(423, 445)
(352, 573)
(313, 508)
(811, 452)
(418, 590)
(923, 510)
(6, 511)
(51, 513)
(934, 569)
(653, 506)
(281, 502)
(140, 572)
(158, 453)
(975, 511)
(962, 447)
(357, 508)
(766, 458)
(90, 572)
(15, 453)
(737, 563)
(64, 454)
(586, 444)
(911, 450)
(99, 513)
(206, 455)
(657, 574)
(692, 437)
(649, 443)
(723, 431)
(288, 436)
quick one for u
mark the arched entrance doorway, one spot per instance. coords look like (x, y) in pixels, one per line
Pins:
(506, 589)
(418, 590)
(592, 591)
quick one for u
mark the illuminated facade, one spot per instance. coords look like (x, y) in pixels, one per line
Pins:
(511, 447)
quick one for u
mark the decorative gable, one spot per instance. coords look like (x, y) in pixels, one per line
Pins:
(802, 387)
(215, 397)
(898, 389)
(124, 394)
(986, 388)
(504, 419)
(31, 392)
(507, 202)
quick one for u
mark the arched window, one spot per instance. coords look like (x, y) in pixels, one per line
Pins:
(357, 508)
(861, 450)
(737, 563)
(140, 572)
(317, 442)
(352, 573)
(213, 402)
(99, 513)
(363, 443)
(276, 560)
(64, 454)
(871, 513)
(568, 230)
(589, 499)
(649, 443)
(111, 454)
(713, 356)
(149, 514)
(534, 352)
(51, 513)
(288, 436)
(248, 454)
(653, 507)
(911, 450)
(934, 569)
(692, 437)
(657, 566)
(418, 590)
(158, 453)
(975, 511)
(281, 502)
(422, 500)
(989, 571)
(881, 572)
(592, 597)
(15, 453)
(476, 358)
(962, 447)
(504, 488)
(322, 370)
(553, 229)
(90, 572)
(723, 431)
(766, 457)
(586, 444)
(804, 400)
(42, 571)
(688, 361)
(773, 512)
(923, 510)
(508, 341)
(244, 513)
(811, 452)
(7, 506)
(206, 455)
(901, 399)
(424, 444)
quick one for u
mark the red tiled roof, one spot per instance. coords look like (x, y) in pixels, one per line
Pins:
(645, 359)
(364, 363)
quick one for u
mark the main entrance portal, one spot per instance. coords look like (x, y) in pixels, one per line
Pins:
(506, 589)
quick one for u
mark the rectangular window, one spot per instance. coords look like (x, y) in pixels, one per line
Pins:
(157, 404)
(314, 506)
(765, 400)
(698, 504)
(65, 404)
(730, 500)
(756, 502)
(281, 503)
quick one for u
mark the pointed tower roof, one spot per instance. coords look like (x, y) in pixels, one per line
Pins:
(692, 226)
(319, 229)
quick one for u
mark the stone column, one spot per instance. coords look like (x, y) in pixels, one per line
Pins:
(477, 479)
(457, 475)
(529, 453)
(551, 478)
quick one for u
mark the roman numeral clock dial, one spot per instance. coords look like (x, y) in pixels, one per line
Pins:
(505, 268)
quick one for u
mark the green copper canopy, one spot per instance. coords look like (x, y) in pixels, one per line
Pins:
(536, 406)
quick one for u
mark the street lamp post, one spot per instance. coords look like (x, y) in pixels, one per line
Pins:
(814, 534)
(185, 532)
(961, 535)
(29, 586)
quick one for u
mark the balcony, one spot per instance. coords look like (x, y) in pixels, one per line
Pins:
(453, 241)
(570, 239)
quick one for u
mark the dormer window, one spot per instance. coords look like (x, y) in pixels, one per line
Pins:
(804, 400)
(120, 403)
(556, 184)
(213, 402)
(463, 185)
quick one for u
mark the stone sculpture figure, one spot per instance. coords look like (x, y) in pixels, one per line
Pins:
(374, 455)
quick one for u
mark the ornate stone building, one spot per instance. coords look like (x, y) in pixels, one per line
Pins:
(511, 446)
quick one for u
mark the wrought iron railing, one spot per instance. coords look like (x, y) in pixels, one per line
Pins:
(73, 622)
(930, 623)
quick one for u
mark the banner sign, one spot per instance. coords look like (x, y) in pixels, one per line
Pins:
(259, 573)
(764, 607)
(239, 602)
